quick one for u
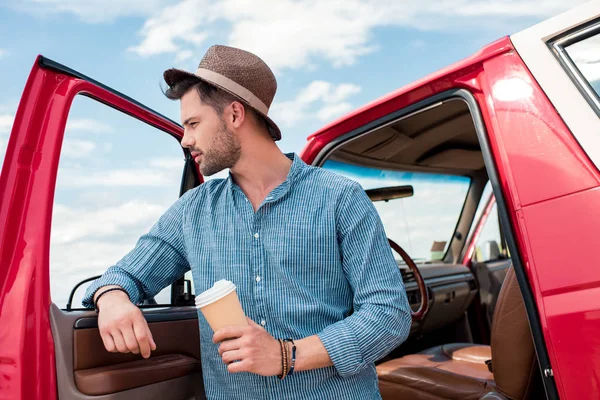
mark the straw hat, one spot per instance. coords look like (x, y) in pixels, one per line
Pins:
(238, 72)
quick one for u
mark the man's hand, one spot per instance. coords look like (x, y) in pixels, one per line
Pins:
(122, 326)
(252, 347)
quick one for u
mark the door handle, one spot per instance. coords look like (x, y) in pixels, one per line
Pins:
(450, 296)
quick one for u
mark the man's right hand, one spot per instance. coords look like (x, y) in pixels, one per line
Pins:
(122, 326)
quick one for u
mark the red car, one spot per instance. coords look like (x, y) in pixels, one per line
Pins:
(505, 287)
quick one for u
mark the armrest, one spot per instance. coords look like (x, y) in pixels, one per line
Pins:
(129, 375)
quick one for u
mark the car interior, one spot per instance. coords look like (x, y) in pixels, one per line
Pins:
(474, 341)
(470, 337)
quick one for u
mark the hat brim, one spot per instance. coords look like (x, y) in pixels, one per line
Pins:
(172, 76)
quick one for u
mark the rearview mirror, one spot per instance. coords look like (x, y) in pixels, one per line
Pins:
(390, 193)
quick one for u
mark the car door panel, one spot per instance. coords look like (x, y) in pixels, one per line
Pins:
(85, 368)
(490, 276)
(42, 348)
(499, 268)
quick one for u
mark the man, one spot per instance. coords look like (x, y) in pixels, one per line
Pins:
(305, 248)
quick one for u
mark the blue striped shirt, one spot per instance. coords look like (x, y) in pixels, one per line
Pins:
(313, 259)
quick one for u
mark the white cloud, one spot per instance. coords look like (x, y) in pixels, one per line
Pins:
(9, 106)
(75, 148)
(172, 29)
(293, 34)
(85, 241)
(93, 11)
(586, 56)
(6, 122)
(431, 215)
(330, 111)
(167, 163)
(158, 172)
(117, 177)
(88, 125)
(184, 56)
(320, 100)
(75, 124)
(72, 224)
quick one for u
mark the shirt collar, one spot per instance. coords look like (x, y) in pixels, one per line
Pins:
(297, 165)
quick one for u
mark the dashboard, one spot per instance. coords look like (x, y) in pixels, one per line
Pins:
(451, 289)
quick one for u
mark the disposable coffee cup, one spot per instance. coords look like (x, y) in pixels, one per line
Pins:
(220, 306)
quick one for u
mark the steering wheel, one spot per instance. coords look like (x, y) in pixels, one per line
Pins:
(423, 308)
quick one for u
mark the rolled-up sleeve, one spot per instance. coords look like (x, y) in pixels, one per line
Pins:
(157, 260)
(381, 317)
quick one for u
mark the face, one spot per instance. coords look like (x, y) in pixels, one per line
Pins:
(213, 146)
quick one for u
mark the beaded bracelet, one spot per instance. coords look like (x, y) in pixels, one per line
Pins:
(283, 359)
(286, 362)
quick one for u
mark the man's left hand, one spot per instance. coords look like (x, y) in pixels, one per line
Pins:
(252, 347)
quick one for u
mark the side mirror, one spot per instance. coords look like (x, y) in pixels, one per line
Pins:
(490, 251)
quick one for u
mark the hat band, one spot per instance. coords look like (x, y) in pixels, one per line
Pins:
(233, 87)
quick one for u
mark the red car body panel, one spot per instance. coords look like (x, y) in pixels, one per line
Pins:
(549, 185)
(536, 171)
(27, 364)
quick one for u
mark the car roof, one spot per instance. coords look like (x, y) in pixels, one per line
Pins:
(359, 116)
(374, 109)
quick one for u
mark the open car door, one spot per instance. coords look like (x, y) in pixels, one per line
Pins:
(49, 350)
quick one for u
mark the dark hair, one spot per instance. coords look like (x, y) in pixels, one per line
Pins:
(210, 95)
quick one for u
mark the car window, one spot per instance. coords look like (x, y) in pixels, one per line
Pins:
(485, 195)
(116, 176)
(586, 56)
(422, 224)
(489, 245)
(579, 54)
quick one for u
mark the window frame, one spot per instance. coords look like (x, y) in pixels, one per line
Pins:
(103, 94)
(558, 46)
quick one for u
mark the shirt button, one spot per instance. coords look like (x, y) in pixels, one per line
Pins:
(257, 278)
(263, 322)
(256, 235)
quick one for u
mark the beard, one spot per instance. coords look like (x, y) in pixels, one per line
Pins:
(224, 152)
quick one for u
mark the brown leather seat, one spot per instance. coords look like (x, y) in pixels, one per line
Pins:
(459, 370)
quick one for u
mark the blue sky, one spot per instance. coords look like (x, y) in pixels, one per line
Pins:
(329, 58)
(372, 47)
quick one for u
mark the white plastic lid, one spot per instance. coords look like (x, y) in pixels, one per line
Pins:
(219, 290)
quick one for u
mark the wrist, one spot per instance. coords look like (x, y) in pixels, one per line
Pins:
(311, 354)
(291, 354)
(101, 290)
(108, 294)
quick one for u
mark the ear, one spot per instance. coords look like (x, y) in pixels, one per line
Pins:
(238, 114)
